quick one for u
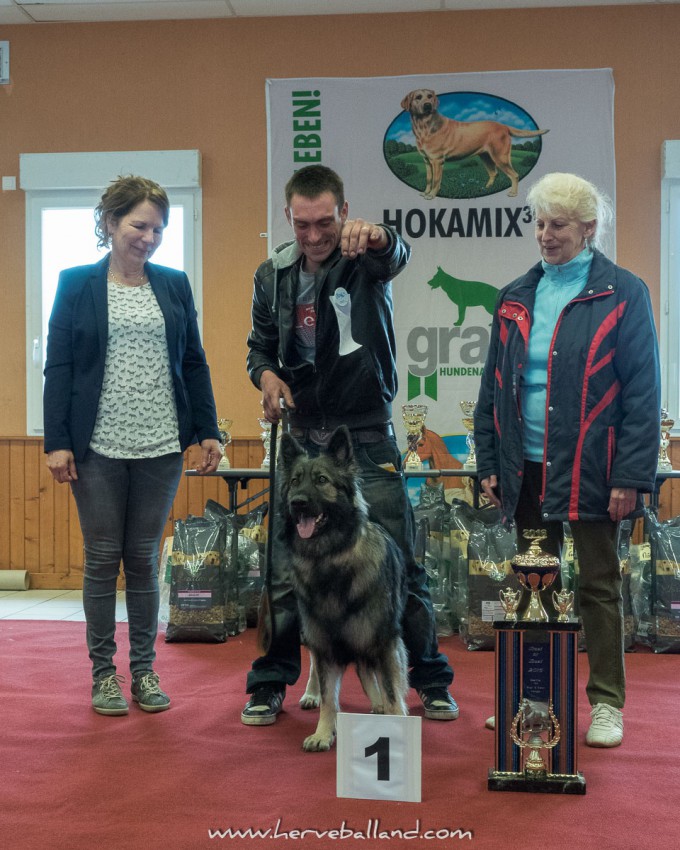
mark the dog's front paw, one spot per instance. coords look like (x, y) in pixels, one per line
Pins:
(309, 701)
(318, 743)
(377, 709)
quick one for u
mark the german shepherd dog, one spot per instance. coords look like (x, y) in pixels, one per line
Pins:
(349, 579)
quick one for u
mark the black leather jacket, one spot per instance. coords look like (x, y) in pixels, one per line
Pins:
(353, 380)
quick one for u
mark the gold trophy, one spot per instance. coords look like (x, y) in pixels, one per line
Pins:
(414, 421)
(266, 436)
(664, 464)
(224, 425)
(468, 408)
(535, 570)
(529, 725)
(563, 602)
(510, 603)
(536, 682)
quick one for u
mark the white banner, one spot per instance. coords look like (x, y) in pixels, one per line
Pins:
(487, 137)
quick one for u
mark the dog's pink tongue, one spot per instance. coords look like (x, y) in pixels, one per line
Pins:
(306, 527)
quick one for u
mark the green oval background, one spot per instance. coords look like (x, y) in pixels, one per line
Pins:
(465, 178)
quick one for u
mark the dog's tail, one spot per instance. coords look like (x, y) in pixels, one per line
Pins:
(526, 134)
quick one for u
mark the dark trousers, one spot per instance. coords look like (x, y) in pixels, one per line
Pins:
(385, 493)
(600, 601)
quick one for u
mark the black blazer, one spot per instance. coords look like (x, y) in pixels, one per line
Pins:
(76, 351)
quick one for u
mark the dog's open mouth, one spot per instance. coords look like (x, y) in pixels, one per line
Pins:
(307, 526)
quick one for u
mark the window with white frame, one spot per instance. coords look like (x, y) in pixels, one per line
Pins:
(62, 191)
(669, 330)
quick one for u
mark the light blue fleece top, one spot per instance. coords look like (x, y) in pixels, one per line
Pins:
(555, 290)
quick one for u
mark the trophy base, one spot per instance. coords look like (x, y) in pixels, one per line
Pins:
(224, 463)
(550, 783)
(665, 466)
(413, 466)
(470, 465)
(265, 465)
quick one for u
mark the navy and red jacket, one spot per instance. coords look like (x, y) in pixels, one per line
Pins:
(603, 395)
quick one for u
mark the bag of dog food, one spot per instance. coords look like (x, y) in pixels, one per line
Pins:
(432, 505)
(429, 551)
(665, 542)
(245, 538)
(640, 555)
(490, 548)
(164, 582)
(569, 577)
(197, 585)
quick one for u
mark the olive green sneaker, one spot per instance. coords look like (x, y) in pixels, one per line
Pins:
(147, 693)
(107, 697)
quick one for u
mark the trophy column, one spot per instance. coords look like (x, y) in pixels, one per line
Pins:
(536, 708)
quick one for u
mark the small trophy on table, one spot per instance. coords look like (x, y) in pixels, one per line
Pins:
(225, 438)
(468, 408)
(667, 423)
(266, 436)
(414, 421)
(510, 600)
(563, 602)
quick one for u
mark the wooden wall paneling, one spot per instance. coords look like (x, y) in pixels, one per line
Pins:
(16, 507)
(46, 528)
(4, 505)
(62, 497)
(195, 499)
(32, 462)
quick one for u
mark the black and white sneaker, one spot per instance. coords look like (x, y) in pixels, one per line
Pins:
(439, 704)
(263, 706)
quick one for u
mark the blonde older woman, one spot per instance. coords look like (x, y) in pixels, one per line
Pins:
(567, 421)
(127, 389)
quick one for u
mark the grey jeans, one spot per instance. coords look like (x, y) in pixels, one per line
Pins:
(123, 506)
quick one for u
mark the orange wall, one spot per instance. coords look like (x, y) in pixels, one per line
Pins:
(200, 84)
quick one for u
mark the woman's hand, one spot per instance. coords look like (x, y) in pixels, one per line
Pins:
(490, 489)
(62, 465)
(622, 501)
(211, 455)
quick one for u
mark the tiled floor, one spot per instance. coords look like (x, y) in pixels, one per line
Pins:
(50, 605)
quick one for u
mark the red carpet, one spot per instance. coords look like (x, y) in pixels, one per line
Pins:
(73, 779)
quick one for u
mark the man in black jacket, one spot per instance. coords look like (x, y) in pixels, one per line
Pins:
(322, 343)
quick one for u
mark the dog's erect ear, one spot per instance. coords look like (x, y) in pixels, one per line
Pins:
(340, 446)
(290, 450)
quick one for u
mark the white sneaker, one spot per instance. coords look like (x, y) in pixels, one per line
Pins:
(606, 726)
